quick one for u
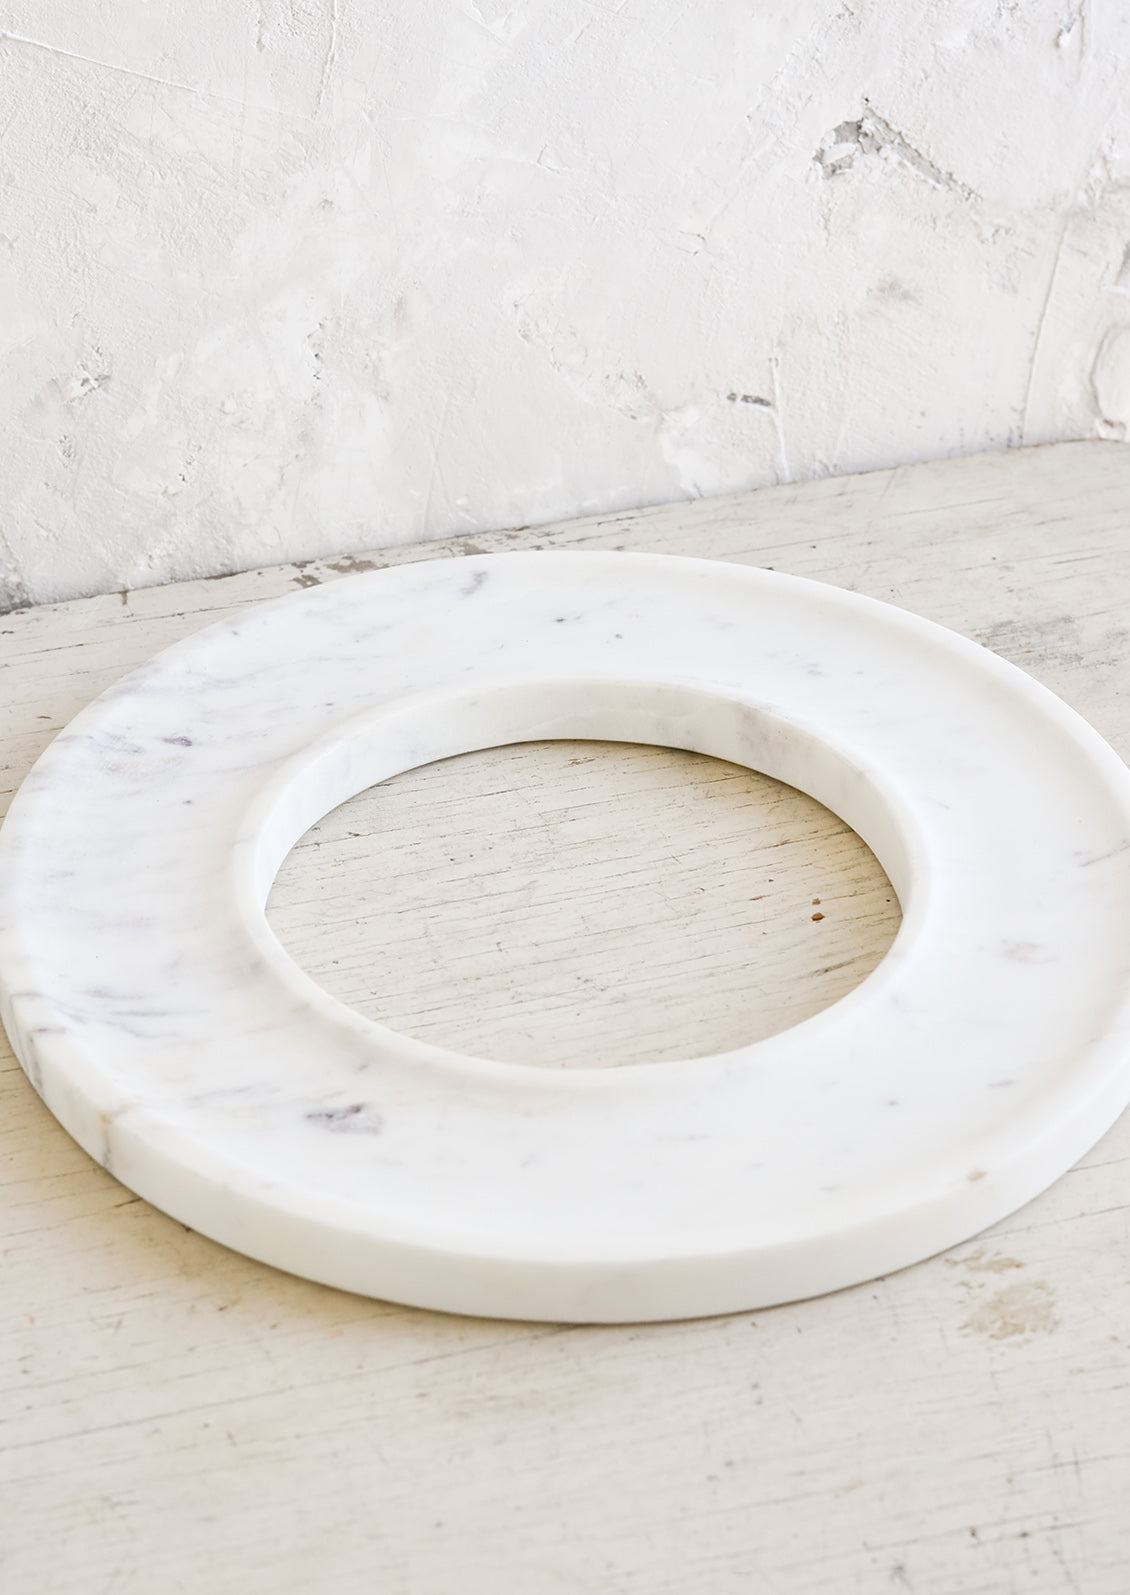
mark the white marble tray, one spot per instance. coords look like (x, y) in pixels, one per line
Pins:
(167, 1029)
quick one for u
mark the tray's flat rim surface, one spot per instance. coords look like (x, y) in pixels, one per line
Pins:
(1078, 1130)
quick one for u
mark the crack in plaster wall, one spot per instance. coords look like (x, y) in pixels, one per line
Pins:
(871, 135)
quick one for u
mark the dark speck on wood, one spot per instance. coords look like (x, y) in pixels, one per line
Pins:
(351, 565)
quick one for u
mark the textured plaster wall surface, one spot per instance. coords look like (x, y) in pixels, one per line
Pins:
(286, 277)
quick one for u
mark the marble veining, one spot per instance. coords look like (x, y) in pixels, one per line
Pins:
(167, 1029)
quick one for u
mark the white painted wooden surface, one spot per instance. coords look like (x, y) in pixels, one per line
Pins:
(177, 1418)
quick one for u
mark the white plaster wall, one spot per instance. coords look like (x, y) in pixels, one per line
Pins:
(286, 277)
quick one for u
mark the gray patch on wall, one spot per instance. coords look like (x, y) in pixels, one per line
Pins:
(1110, 383)
(870, 134)
(13, 589)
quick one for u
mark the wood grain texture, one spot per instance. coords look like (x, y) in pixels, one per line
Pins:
(177, 1418)
(585, 904)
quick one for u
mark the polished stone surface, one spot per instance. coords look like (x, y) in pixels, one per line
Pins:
(166, 1028)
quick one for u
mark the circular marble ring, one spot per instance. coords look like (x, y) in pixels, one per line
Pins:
(167, 1029)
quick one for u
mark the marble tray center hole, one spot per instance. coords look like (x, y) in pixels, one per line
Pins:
(575, 903)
